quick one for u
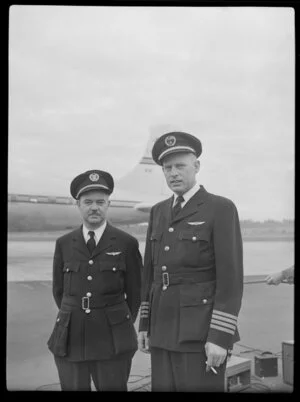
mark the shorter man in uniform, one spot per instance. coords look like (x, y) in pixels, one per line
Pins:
(96, 286)
(193, 276)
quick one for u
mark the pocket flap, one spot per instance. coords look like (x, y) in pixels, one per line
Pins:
(112, 266)
(71, 266)
(156, 236)
(63, 318)
(118, 314)
(197, 294)
(193, 235)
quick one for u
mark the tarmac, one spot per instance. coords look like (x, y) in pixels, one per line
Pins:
(266, 320)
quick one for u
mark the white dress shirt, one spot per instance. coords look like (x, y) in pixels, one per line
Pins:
(98, 232)
(188, 195)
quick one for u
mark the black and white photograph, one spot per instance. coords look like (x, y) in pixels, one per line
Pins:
(151, 198)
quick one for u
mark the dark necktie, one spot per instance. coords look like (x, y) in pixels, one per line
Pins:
(91, 243)
(177, 206)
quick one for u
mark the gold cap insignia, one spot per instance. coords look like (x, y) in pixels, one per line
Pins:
(170, 141)
(94, 177)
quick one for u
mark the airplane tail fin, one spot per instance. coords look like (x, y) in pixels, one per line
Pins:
(147, 177)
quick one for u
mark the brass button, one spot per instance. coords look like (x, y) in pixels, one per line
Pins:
(194, 238)
(89, 294)
(128, 316)
(58, 320)
(114, 269)
(204, 301)
(68, 270)
(171, 230)
(89, 278)
(87, 311)
(167, 248)
(164, 268)
(164, 287)
(91, 262)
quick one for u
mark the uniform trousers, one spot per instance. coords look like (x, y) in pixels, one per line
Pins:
(184, 372)
(107, 375)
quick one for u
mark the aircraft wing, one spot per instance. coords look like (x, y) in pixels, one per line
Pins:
(143, 206)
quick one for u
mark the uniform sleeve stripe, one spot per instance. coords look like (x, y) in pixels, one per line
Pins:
(229, 331)
(144, 316)
(233, 317)
(219, 317)
(145, 304)
(223, 324)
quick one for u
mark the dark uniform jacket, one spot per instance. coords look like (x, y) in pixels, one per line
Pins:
(193, 274)
(98, 295)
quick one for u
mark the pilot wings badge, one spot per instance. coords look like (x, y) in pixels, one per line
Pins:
(114, 253)
(196, 223)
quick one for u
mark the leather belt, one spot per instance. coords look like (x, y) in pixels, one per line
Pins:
(93, 302)
(167, 279)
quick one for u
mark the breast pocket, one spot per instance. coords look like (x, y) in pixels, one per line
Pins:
(70, 270)
(195, 247)
(196, 305)
(155, 246)
(110, 276)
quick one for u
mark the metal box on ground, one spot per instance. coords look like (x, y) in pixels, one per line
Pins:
(266, 365)
(288, 362)
(237, 374)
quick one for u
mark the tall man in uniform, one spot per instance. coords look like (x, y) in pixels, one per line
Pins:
(193, 276)
(96, 286)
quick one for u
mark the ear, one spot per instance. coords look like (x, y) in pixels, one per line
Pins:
(197, 165)
(78, 202)
(108, 203)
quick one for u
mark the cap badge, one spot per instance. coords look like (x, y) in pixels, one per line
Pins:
(94, 177)
(170, 141)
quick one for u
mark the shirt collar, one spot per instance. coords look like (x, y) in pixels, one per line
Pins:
(98, 232)
(188, 195)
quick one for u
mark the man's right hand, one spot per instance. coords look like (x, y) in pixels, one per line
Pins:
(274, 279)
(143, 342)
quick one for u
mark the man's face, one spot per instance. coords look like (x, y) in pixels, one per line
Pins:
(93, 206)
(180, 171)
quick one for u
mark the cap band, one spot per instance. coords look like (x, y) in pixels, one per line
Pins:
(178, 148)
(93, 186)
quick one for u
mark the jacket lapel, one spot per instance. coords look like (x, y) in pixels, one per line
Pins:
(79, 243)
(167, 210)
(192, 206)
(107, 240)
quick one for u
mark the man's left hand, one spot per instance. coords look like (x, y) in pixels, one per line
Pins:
(215, 354)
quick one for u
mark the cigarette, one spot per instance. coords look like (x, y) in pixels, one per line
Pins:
(213, 369)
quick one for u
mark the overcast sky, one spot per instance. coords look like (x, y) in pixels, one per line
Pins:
(88, 84)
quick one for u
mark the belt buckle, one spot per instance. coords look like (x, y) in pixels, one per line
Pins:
(165, 280)
(83, 303)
